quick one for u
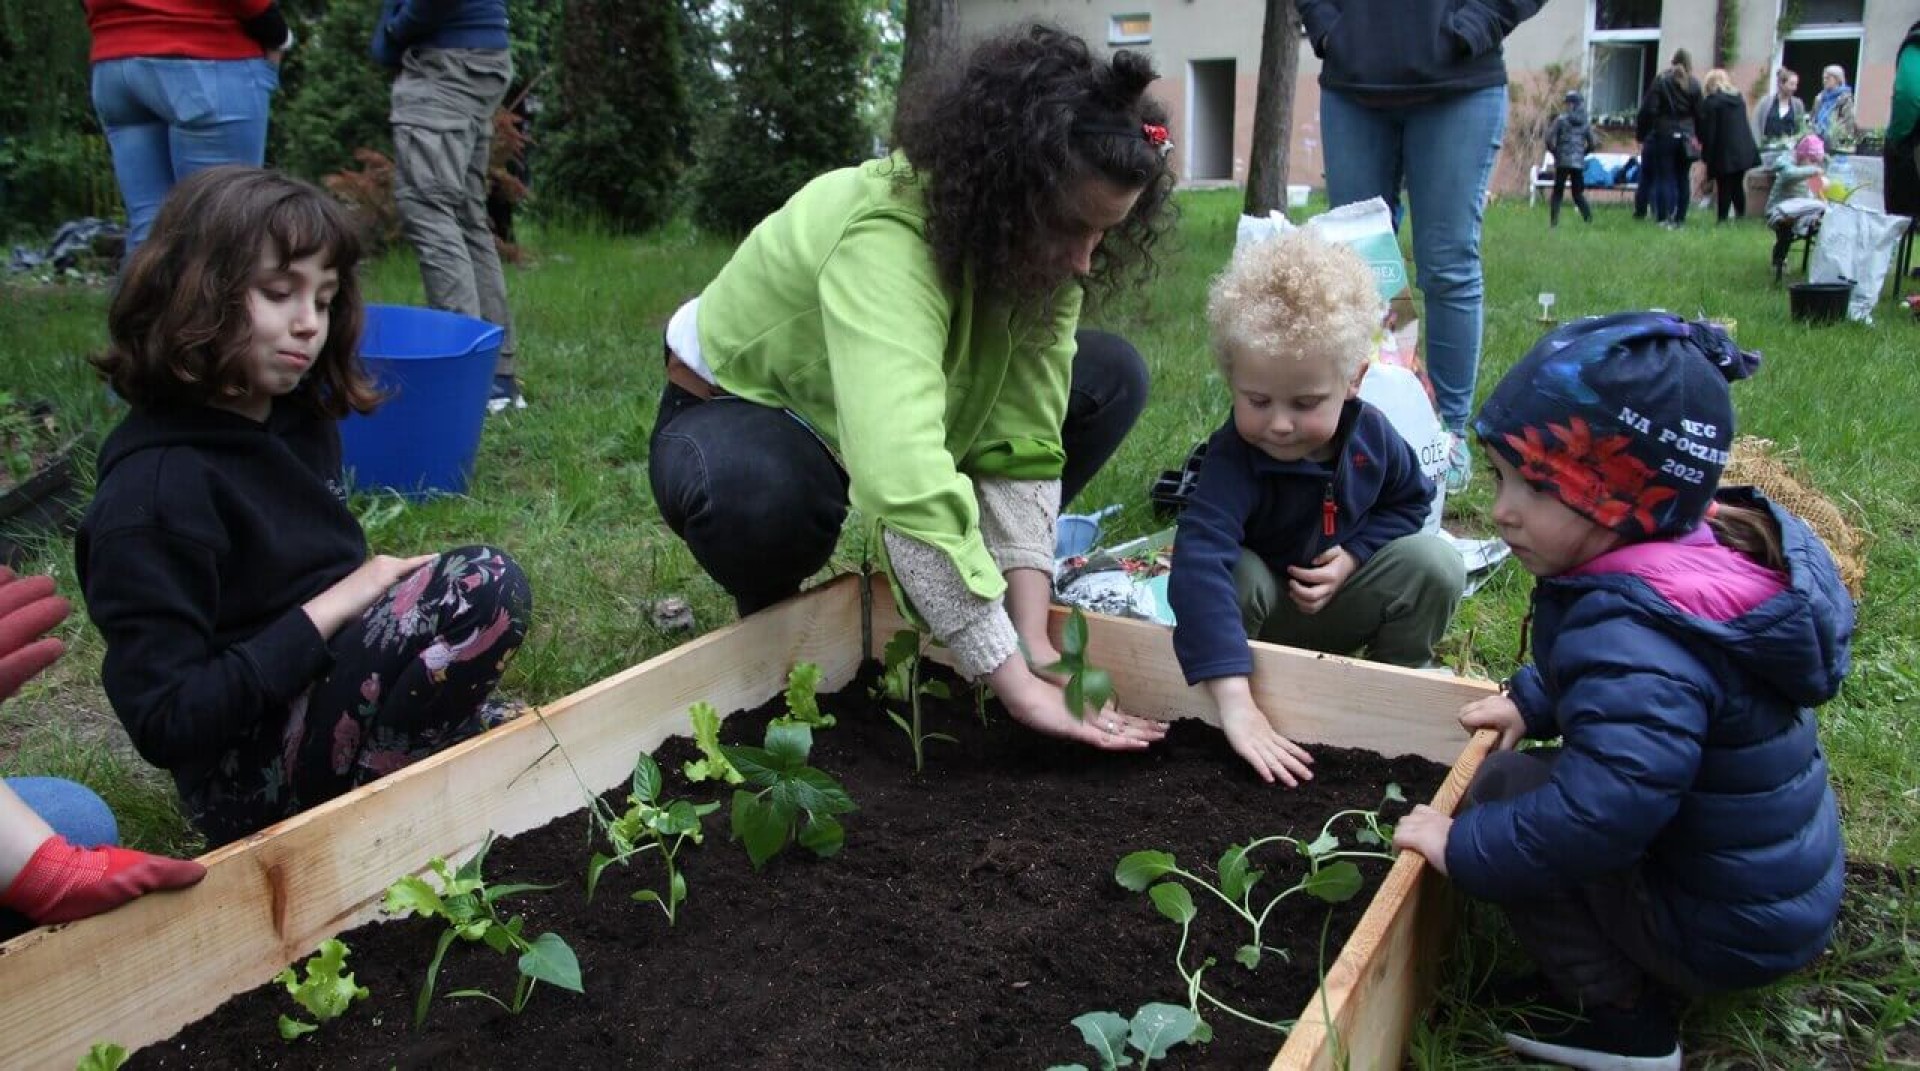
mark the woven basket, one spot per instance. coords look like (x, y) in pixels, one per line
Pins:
(1756, 462)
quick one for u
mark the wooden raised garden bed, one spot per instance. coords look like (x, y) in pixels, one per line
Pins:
(139, 974)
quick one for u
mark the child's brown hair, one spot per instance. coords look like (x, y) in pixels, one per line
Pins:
(179, 325)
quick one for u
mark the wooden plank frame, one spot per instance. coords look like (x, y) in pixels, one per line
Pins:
(136, 975)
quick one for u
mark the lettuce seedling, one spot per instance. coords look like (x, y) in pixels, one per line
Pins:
(713, 766)
(466, 902)
(1153, 1030)
(103, 1056)
(803, 698)
(1089, 688)
(794, 801)
(650, 824)
(1330, 876)
(900, 681)
(325, 993)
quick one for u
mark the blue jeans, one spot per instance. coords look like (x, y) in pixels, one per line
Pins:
(70, 808)
(167, 118)
(1442, 153)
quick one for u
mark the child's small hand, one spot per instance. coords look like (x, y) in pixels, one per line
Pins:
(350, 596)
(1425, 830)
(1311, 589)
(1271, 755)
(1496, 712)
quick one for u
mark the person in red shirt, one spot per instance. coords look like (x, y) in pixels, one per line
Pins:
(181, 85)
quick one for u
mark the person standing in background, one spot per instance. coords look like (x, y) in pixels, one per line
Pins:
(178, 86)
(1570, 138)
(1781, 118)
(1903, 129)
(1726, 144)
(1833, 109)
(1666, 126)
(1413, 93)
(454, 70)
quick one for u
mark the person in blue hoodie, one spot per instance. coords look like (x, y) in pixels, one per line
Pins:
(1304, 527)
(1682, 839)
(453, 70)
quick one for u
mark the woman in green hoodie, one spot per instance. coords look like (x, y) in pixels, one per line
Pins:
(902, 336)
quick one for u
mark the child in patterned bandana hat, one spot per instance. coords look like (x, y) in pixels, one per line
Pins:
(1682, 838)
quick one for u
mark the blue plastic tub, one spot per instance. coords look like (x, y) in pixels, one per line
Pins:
(436, 368)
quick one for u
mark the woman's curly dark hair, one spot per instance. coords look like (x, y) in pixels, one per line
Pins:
(1006, 134)
(179, 326)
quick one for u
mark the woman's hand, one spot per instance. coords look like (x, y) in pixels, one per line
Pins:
(1041, 705)
(350, 596)
(1425, 830)
(1496, 712)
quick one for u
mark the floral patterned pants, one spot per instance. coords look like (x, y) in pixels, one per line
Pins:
(411, 676)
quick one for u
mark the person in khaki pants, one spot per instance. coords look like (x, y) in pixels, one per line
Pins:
(454, 70)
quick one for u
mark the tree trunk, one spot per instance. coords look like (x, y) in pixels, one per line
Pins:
(932, 32)
(1273, 110)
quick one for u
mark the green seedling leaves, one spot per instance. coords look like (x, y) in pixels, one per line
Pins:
(646, 779)
(1174, 901)
(1159, 1027)
(803, 697)
(103, 1056)
(713, 766)
(1394, 794)
(326, 992)
(1247, 956)
(796, 802)
(1335, 883)
(1321, 845)
(1140, 869)
(467, 904)
(1073, 636)
(1233, 872)
(551, 960)
(1107, 1032)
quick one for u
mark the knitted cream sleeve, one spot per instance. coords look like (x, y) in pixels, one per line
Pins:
(977, 631)
(1017, 521)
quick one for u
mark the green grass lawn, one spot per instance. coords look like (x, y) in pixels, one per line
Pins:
(564, 486)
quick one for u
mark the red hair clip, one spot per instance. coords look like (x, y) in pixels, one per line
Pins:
(1156, 134)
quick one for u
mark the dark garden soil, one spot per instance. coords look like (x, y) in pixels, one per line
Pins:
(970, 917)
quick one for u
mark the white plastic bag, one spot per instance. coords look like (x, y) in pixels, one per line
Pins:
(1397, 393)
(1855, 246)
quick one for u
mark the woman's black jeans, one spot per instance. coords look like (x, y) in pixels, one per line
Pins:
(760, 501)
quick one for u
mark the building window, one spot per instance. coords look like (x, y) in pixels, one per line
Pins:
(1130, 29)
(1623, 46)
(1626, 15)
(1832, 12)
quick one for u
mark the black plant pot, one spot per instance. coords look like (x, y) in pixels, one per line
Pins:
(44, 502)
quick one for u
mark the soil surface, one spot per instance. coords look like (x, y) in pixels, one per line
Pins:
(972, 914)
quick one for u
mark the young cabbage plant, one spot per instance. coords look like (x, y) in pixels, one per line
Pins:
(468, 906)
(790, 801)
(326, 992)
(1331, 876)
(650, 824)
(103, 1056)
(1153, 1030)
(901, 682)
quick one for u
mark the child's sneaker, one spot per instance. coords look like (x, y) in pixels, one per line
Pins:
(505, 395)
(1641, 1038)
(1459, 463)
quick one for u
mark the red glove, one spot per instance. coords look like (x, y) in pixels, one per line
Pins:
(62, 883)
(28, 607)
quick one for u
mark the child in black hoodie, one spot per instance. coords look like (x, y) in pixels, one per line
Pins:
(254, 649)
(1305, 526)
